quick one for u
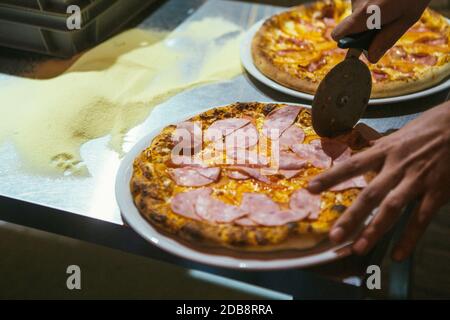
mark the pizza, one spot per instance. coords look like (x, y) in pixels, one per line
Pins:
(295, 49)
(235, 177)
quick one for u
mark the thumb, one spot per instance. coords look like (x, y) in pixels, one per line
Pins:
(355, 23)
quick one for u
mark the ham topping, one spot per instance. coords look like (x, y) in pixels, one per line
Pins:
(236, 175)
(279, 121)
(288, 174)
(338, 151)
(258, 202)
(303, 202)
(184, 203)
(214, 210)
(242, 138)
(247, 157)
(266, 212)
(344, 156)
(277, 218)
(434, 41)
(222, 128)
(290, 161)
(194, 176)
(313, 153)
(255, 173)
(316, 65)
(187, 135)
(291, 136)
(255, 208)
(379, 75)
(245, 222)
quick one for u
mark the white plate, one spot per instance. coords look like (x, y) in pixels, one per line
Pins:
(247, 62)
(323, 253)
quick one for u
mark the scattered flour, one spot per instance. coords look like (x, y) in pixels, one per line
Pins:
(111, 89)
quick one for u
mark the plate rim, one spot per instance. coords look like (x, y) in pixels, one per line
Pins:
(130, 214)
(248, 64)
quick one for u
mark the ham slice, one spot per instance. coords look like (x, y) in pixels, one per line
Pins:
(280, 120)
(300, 44)
(379, 75)
(338, 151)
(194, 176)
(185, 160)
(254, 173)
(306, 203)
(291, 136)
(290, 161)
(286, 52)
(236, 175)
(246, 157)
(313, 153)
(184, 203)
(214, 210)
(356, 182)
(266, 212)
(258, 203)
(332, 147)
(278, 218)
(187, 135)
(316, 65)
(245, 222)
(288, 174)
(242, 138)
(434, 41)
(222, 128)
(347, 154)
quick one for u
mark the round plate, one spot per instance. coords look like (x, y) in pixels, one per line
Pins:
(247, 62)
(325, 252)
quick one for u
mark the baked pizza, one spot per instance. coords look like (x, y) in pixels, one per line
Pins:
(235, 177)
(295, 48)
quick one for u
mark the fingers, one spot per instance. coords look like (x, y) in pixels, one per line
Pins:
(355, 23)
(366, 202)
(387, 38)
(417, 226)
(356, 165)
(389, 211)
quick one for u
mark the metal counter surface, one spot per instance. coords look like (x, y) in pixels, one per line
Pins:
(77, 207)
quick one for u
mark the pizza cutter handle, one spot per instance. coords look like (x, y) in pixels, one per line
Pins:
(361, 41)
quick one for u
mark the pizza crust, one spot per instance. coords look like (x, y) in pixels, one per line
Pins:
(207, 235)
(428, 79)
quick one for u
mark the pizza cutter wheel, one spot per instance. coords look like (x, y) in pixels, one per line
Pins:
(344, 93)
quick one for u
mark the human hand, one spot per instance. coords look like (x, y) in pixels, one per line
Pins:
(397, 16)
(412, 163)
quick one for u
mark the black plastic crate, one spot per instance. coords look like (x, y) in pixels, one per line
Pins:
(34, 27)
(46, 5)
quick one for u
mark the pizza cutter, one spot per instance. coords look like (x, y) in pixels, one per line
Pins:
(344, 93)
